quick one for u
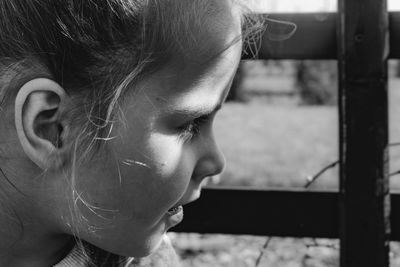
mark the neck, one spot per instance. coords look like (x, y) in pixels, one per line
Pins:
(28, 236)
(32, 248)
(25, 239)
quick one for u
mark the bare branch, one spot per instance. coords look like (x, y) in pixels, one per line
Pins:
(312, 179)
(262, 251)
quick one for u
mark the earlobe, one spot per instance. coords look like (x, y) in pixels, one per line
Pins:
(37, 120)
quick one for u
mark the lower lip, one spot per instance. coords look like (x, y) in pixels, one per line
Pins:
(175, 216)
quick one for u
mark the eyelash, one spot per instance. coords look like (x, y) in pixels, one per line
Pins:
(189, 130)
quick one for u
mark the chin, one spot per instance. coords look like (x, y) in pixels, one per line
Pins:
(163, 252)
(143, 249)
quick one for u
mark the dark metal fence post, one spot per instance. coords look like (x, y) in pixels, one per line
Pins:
(364, 192)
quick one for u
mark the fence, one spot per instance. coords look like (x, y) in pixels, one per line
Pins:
(362, 36)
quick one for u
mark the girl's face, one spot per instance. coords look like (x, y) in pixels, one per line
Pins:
(160, 152)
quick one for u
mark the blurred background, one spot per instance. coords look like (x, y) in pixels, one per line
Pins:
(278, 129)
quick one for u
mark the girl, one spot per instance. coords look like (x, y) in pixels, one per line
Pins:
(106, 111)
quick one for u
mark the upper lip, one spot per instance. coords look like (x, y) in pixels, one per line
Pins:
(184, 203)
(194, 197)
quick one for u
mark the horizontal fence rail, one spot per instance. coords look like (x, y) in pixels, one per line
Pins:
(271, 213)
(316, 37)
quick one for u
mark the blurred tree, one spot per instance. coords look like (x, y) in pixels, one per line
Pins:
(316, 81)
(236, 92)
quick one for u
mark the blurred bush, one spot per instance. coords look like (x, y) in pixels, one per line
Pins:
(236, 93)
(316, 81)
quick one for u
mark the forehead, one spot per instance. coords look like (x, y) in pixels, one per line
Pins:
(214, 69)
(203, 62)
(205, 35)
(195, 88)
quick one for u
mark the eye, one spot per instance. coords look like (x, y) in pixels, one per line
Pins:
(192, 128)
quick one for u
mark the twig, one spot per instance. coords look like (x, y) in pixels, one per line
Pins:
(315, 243)
(312, 179)
(394, 173)
(262, 251)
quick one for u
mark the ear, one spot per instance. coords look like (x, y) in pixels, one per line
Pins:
(37, 120)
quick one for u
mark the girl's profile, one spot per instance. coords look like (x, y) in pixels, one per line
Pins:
(106, 115)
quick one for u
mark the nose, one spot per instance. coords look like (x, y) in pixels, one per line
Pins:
(211, 161)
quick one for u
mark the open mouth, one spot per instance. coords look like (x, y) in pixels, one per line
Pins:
(175, 210)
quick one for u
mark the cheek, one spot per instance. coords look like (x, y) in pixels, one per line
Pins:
(167, 154)
(171, 163)
(158, 176)
(137, 181)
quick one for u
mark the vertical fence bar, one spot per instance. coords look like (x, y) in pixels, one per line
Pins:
(364, 192)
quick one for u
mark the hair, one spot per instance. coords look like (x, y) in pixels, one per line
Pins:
(96, 50)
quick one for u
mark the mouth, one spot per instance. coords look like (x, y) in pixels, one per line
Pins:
(178, 208)
(175, 210)
(174, 216)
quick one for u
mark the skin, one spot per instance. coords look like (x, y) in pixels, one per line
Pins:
(152, 163)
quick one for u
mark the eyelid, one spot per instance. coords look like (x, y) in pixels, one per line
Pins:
(191, 128)
(204, 117)
(201, 119)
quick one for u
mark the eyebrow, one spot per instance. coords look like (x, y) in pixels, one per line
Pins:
(198, 111)
(195, 112)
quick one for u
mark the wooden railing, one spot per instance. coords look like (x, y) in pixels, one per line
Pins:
(362, 36)
(295, 213)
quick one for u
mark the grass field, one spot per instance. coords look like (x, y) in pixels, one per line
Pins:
(279, 145)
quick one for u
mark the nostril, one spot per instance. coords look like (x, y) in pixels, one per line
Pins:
(212, 180)
(210, 169)
(219, 163)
